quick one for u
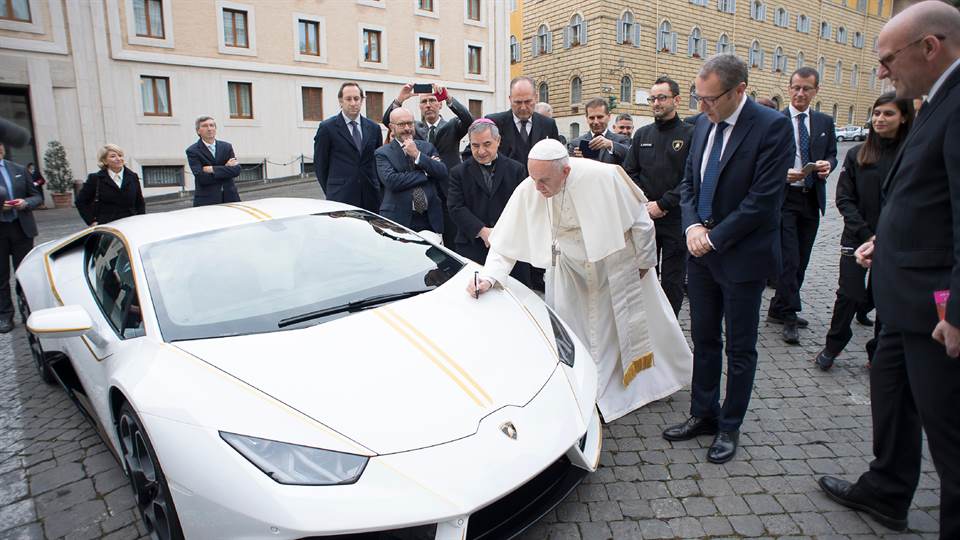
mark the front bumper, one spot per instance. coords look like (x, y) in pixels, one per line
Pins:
(438, 490)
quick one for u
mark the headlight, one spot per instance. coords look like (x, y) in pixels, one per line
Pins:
(298, 465)
(565, 347)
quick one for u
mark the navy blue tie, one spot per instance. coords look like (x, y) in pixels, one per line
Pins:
(804, 137)
(356, 135)
(711, 174)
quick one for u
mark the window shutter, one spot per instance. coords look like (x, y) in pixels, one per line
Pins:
(673, 42)
(660, 44)
(567, 30)
(636, 34)
(620, 31)
(690, 45)
(762, 55)
(583, 32)
(703, 48)
(533, 46)
(549, 42)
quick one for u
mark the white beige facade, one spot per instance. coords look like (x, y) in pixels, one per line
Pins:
(82, 67)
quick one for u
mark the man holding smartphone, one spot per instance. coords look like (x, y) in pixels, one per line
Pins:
(806, 198)
(599, 144)
(17, 227)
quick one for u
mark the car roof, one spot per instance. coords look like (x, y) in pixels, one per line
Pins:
(149, 228)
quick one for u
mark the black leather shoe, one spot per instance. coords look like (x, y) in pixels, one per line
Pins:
(846, 494)
(724, 447)
(801, 322)
(824, 361)
(691, 428)
(6, 325)
(790, 333)
(864, 319)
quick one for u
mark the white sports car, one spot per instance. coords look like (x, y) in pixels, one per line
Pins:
(293, 368)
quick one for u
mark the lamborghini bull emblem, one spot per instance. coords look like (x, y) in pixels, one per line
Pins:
(509, 430)
(677, 145)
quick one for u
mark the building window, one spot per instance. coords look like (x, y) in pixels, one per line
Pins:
(427, 53)
(241, 99)
(834, 112)
(855, 76)
(838, 72)
(758, 10)
(858, 40)
(850, 115)
(842, 35)
(576, 32)
(876, 44)
(779, 60)
(821, 66)
(825, 30)
(817, 108)
(374, 106)
(473, 10)
(723, 44)
(873, 79)
(250, 171)
(312, 98)
(162, 176)
(862, 6)
(755, 58)
(803, 24)
(371, 45)
(476, 108)
(309, 37)
(543, 93)
(776, 102)
(693, 104)
(235, 28)
(155, 93)
(543, 42)
(800, 60)
(781, 18)
(514, 50)
(574, 130)
(666, 40)
(727, 6)
(474, 60)
(628, 29)
(576, 91)
(425, 5)
(147, 15)
(626, 89)
(696, 45)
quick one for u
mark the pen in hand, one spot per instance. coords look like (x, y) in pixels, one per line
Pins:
(476, 284)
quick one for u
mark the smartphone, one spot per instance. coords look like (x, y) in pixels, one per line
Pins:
(588, 152)
(847, 251)
(12, 202)
(809, 168)
(422, 88)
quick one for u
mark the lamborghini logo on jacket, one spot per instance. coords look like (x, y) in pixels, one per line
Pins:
(677, 145)
(509, 430)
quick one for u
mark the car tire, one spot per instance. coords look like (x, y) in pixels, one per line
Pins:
(36, 349)
(150, 489)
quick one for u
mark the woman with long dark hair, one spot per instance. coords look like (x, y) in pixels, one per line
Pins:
(858, 199)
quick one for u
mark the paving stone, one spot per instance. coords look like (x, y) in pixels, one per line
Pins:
(595, 531)
(625, 530)
(605, 511)
(573, 511)
(763, 504)
(699, 506)
(687, 527)
(747, 525)
(17, 514)
(654, 528)
(667, 508)
(779, 524)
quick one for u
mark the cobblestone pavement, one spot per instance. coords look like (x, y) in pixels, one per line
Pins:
(58, 480)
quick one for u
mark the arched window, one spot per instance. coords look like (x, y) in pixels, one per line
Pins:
(838, 72)
(576, 32)
(628, 29)
(817, 107)
(834, 113)
(756, 55)
(514, 50)
(758, 10)
(781, 18)
(543, 42)
(842, 35)
(543, 93)
(850, 115)
(693, 102)
(821, 66)
(753, 96)
(576, 90)
(779, 60)
(666, 40)
(626, 89)
(800, 59)
(723, 44)
(855, 76)
(574, 130)
(776, 102)
(858, 40)
(873, 79)
(803, 24)
(695, 44)
(825, 30)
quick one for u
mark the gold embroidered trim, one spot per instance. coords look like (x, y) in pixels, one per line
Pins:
(636, 366)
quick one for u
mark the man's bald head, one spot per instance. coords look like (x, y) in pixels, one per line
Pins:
(401, 123)
(918, 45)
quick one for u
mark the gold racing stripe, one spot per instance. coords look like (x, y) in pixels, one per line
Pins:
(403, 333)
(248, 211)
(251, 210)
(442, 353)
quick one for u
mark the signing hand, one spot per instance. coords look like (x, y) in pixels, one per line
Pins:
(599, 142)
(697, 242)
(484, 287)
(485, 235)
(823, 168)
(654, 210)
(949, 336)
(864, 254)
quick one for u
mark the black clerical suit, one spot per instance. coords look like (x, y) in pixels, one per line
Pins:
(655, 161)
(858, 200)
(914, 385)
(616, 156)
(802, 207)
(477, 196)
(17, 227)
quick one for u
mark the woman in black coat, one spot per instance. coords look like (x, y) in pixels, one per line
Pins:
(112, 193)
(858, 199)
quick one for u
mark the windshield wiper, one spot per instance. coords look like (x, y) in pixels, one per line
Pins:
(356, 305)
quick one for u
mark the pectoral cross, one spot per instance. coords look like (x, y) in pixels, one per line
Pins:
(554, 251)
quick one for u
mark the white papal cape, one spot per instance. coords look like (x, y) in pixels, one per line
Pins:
(605, 236)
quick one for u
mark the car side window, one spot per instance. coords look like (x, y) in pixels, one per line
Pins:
(110, 277)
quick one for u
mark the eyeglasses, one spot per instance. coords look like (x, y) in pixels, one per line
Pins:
(401, 124)
(888, 59)
(710, 100)
(805, 89)
(661, 98)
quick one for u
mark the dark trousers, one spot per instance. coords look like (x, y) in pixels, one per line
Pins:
(715, 302)
(672, 258)
(14, 246)
(798, 230)
(420, 222)
(853, 297)
(476, 251)
(913, 388)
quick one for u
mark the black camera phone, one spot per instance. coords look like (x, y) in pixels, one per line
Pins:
(422, 88)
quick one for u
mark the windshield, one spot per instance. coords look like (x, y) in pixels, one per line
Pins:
(248, 279)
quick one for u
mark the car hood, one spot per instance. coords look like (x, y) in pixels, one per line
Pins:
(403, 376)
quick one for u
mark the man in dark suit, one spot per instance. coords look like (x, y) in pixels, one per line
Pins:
(806, 198)
(610, 147)
(214, 166)
(18, 198)
(479, 190)
(411, 172)
(915, 380)
(343, 153)
(521, 127)
(730, 203)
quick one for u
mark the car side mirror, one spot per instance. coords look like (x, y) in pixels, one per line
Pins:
(60, 322)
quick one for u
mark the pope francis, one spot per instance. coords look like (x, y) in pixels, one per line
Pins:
(586, 222)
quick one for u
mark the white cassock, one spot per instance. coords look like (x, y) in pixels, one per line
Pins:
(604, 236)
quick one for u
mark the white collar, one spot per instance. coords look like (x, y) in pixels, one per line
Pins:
(732, 119)
(347, 120)
(794, 112)
(435, 124)
(517, 120)
(943, 77)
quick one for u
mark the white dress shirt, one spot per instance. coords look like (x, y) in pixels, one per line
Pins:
(516, 122)
(359, 124)
(798, 159)
(116, 177)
